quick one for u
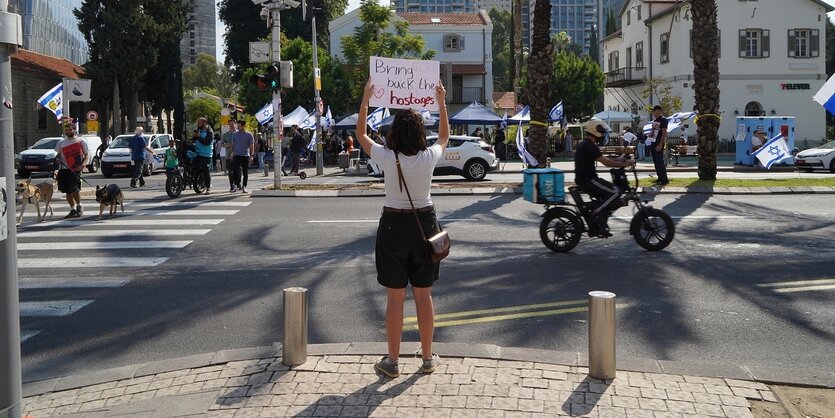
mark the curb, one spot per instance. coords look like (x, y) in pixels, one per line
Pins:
(823, 379)
(487, 191)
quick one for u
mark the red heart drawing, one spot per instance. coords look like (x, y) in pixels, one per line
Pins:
(378, 93)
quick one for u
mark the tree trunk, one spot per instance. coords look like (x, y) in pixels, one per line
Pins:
(133, 108)
(540, 71)
(706, 84)
(117, 115)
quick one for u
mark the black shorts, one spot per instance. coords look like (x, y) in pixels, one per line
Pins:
(68, 181)
(399, 252)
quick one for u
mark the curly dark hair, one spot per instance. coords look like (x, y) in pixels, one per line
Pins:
(408, 134)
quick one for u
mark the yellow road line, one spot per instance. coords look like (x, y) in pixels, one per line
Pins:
(798, 283)
(496, 318)
(413, 319)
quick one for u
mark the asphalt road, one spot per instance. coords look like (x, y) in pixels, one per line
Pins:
(717, 294)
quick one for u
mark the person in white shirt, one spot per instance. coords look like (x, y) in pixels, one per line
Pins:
(628, 137)
(399, 249)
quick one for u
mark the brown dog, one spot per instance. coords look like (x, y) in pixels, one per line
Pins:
(35, 194)
(110, 196)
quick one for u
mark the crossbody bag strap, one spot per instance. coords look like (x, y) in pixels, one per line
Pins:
(403, 185)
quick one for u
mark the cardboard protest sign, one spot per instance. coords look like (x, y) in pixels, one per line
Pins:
(404, 84)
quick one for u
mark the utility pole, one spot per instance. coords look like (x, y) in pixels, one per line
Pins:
(317, 85)
(11, 37)
(275, 55)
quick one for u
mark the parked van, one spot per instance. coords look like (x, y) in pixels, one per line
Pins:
(40, 157)
(117, 160)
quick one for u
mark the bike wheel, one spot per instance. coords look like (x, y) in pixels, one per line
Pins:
(560, 230)
(201, 183)
(174, 185)
(653, 229)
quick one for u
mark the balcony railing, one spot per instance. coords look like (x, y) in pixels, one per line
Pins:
(467, 95)
(627, 76)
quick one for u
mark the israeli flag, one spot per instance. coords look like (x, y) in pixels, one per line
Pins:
(375, 119)
(677, 119)
(774, 151)
(313, 140)
(526, 157)
(53, 101)
(265, 114)
(327, 121)
(826, 95)
(504, 121)
(309, 122)
(556, 113)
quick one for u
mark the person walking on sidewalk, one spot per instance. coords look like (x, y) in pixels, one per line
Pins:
(261, 150)
(138, 147)
(296, 146)
(243, 148)
(203, 146)
(72, 157)
(400, 254)
(657, 139)
(226, 152)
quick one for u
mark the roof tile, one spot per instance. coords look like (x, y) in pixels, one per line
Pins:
(28, 61)
(445, 18)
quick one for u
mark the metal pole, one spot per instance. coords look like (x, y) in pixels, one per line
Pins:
(275, 53)
(320, 163)
(294, 347)
(10, 373)
(602, 335)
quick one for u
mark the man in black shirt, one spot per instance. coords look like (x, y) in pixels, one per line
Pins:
(657, 139)
(296, 146)
(585, 173)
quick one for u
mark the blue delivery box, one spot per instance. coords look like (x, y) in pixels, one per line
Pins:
(543, 185)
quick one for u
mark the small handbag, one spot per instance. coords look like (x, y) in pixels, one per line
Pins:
(437, 246)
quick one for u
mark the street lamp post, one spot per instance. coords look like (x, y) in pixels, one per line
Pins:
(10, 372)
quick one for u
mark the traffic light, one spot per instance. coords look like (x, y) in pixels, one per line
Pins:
(271, 80)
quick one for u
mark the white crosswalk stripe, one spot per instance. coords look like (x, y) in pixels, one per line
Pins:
(142, 237)
(799, 286)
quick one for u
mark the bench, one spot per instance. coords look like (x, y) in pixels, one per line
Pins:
(617, 150)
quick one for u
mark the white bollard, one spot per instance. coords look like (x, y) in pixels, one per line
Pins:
(294, 347)
(602, 335)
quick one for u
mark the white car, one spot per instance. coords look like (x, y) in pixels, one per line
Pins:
(116, 158)
(41, 155)
(822, 157)
(467, 156)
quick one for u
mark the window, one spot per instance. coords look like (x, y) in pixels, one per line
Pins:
(665, 47)
(614, 60)
(803, 43)
(754, 43)
(191, 35)
(639, 55)
(628, 17)
(629, 57)
(718, 38)
(191, 43)
(639, 12)
(453, 43)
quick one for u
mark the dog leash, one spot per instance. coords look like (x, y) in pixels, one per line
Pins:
(77, 174)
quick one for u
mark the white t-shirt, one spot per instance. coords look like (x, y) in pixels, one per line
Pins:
(417, 171)
(629, 137)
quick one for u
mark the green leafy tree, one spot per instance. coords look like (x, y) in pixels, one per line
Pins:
(502, 55)
(660, 91)
(293, 26)
(706, 83)
(244, 25)
(578, 82)
(164, 88)
(204, 107)
(563, 42)
(373, 38)
(202, 75)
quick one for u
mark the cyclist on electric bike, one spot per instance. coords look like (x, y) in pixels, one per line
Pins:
(606, 193)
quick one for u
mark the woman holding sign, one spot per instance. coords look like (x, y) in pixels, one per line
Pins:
(399, 250)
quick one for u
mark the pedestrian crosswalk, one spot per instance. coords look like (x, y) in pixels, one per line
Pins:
(70, 261)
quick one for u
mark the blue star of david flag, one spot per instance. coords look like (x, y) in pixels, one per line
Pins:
(265, 114)
(52, 100)
(774, 151)
(556, 113)
(826, 95)
(523, 152)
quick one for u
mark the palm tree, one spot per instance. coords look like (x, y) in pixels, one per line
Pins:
(706, 83)
(540, 70)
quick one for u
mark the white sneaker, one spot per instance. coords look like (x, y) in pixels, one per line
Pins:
(243, 190)
(233, 189)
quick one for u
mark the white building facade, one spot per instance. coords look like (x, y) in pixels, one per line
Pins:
(462, 43)
(771, 59)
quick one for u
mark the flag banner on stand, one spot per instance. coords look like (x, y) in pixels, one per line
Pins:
(774, 151)
(53, 101)
(265, 114)
(504, 121)
(826, 95)
(556, 114)
(375, 119)
(527, 158)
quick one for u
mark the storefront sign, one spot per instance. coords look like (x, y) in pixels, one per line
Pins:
(795, 86)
